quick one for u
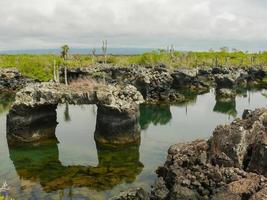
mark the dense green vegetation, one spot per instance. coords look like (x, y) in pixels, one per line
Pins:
(4, 198)
(34, 66)
(41, 66)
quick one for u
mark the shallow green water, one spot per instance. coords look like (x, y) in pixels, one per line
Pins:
(73, 167)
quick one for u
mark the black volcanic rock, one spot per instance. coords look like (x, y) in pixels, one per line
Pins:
(11, 79)
(230, 165)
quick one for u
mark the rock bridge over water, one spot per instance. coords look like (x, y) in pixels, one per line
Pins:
(35, 106)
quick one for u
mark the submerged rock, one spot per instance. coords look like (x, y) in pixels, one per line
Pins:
(132, 194)
(159, 190)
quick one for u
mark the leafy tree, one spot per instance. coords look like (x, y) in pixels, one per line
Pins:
(224, 49)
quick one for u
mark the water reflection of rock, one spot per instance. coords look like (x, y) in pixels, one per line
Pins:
(226, 106)
(156, 114)
(38, 160)
(161, 113)
(41, 164)
(190, 98)
(6, 99)
(67, 117)
(119, 164)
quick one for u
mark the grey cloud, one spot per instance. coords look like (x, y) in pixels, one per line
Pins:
(188, 24)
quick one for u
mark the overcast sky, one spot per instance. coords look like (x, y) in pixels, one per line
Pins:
(188, 24)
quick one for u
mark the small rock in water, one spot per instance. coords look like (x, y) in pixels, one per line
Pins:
(132, 194)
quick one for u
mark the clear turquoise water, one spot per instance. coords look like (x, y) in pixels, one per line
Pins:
(74, 168)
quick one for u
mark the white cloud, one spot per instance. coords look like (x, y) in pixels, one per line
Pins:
(188, 24)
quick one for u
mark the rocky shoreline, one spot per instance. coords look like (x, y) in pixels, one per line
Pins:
(230, 165)
(159, 84)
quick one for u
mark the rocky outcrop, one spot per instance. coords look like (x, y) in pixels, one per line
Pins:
(230, 165)
(233, 77)
(117, 115)
(32, 126)
(117, 128)
(132, 194)
(242, 143)
(161, 84)
(188, 174)
(188, 78)
(256, 73)
(231, 80)
(122, 99)
(156, 83)
(11, 79)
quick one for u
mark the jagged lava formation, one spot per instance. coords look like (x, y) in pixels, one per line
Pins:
(36, 104)
(230, 165)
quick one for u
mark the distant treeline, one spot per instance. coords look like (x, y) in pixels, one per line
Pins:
(41, 66)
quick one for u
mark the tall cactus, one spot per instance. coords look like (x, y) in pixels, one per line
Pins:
(93, 55)
(104, 49)
(54, 71)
